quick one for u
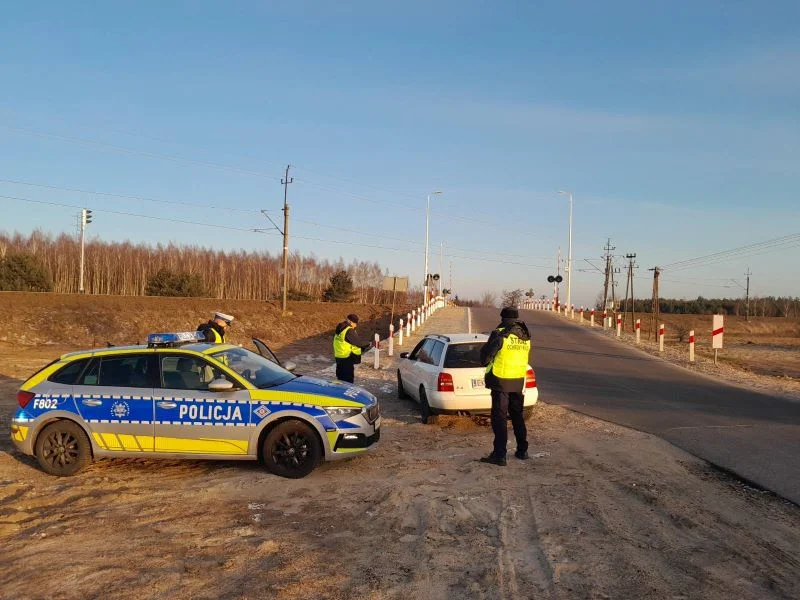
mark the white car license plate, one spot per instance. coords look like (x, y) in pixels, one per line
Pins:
(478, 382)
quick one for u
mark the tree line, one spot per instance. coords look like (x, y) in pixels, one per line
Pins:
(43, 262)
(760, 306)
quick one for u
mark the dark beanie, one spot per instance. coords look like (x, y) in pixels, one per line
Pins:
(509, 312)
(353, 318)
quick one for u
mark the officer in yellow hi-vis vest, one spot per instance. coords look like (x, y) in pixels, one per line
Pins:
(505, 356)
(214, 330)
(347, 349)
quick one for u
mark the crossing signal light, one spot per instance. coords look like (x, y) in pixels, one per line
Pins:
(556, 279)
(86, 216)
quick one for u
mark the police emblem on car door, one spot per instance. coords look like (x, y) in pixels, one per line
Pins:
(190, 418)
(114, 395)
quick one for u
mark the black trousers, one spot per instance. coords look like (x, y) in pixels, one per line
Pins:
(345, 370)
(504, 405)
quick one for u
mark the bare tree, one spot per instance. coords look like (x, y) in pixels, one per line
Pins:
(489, 299)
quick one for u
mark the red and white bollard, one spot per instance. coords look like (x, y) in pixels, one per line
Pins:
(619, 325)
(638, 331)
(691, 346)
(581, 315)
(605, 319)
(572, 312)
(413, 320)
(661, 337)
(400, 334)
(591, 322)
(376, 350)
(408, 325)
(391, 339)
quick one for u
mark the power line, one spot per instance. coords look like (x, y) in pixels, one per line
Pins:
(128, 196)
(770, 245)
(130, 214)
(148, 154)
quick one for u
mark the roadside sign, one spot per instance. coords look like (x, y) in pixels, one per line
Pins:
(395, 284)
(717, 332)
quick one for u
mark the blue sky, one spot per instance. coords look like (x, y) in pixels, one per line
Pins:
(675, 125)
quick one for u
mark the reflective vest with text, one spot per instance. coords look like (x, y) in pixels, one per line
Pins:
(341, 347)
(511, 361)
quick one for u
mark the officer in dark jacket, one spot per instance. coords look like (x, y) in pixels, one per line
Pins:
(214, 330)
(505, 356)
(347, 348)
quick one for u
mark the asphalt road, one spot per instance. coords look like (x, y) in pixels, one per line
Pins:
(752, 434)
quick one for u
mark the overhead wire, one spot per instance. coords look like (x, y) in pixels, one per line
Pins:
(256, 230)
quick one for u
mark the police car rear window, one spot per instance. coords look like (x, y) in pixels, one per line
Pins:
(70, 372)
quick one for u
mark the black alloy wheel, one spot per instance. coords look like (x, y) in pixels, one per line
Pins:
(401, 391)
(63, 448)
(292, 450)
(428, 416)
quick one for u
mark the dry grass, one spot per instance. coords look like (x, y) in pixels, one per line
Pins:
(53, 323)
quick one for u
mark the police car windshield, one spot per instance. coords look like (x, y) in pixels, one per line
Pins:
(256, 369)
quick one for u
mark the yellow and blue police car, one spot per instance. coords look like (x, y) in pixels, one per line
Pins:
(179, 398)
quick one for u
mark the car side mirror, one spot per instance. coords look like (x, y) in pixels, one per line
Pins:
(289, 366)
(220, 385)
(404, 355)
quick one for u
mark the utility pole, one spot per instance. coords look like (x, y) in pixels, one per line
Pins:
(441, 260)
(656, 308)
(609, 274)
(631, 265)
(85, 219)
(747, 297)
(555, 282)
(285, 182)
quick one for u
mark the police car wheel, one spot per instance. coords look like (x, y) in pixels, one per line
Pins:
(427, 412)
(63, 449)
(401, 391)
(292, 449)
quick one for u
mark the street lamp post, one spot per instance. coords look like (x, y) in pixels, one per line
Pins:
(569, 257)
(427, 227)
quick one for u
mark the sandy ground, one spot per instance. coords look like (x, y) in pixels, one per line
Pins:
(598, 512)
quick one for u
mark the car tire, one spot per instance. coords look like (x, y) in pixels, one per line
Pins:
(401, 391)
(63, 448)
(527, 413)
(291, 449)
(428, 416)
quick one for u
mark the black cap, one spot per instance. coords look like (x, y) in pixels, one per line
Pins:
(509, 312)
(353, 318)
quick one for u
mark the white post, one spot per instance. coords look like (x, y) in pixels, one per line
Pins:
(619, 325)
(661, 337)
(638, 331)
(408, 325)
(400, 332)
(591, 322)
(581, 316)
(414, 320)
(691, 346)
(605, 320)
(376, 350)
(391, 339)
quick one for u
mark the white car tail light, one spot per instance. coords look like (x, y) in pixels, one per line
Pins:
(530, 379)
(445, 383)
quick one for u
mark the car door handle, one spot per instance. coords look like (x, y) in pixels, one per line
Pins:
(167, 405)
(92, 402)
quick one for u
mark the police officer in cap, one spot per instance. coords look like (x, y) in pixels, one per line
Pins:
(214, 330)
(505, 356)
(347, 348)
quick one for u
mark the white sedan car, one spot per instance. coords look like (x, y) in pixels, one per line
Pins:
(444, 374)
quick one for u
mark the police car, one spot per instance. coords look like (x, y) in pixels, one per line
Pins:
(179, 398)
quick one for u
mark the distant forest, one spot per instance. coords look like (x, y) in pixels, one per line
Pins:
(41, 262)
(761, 306)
